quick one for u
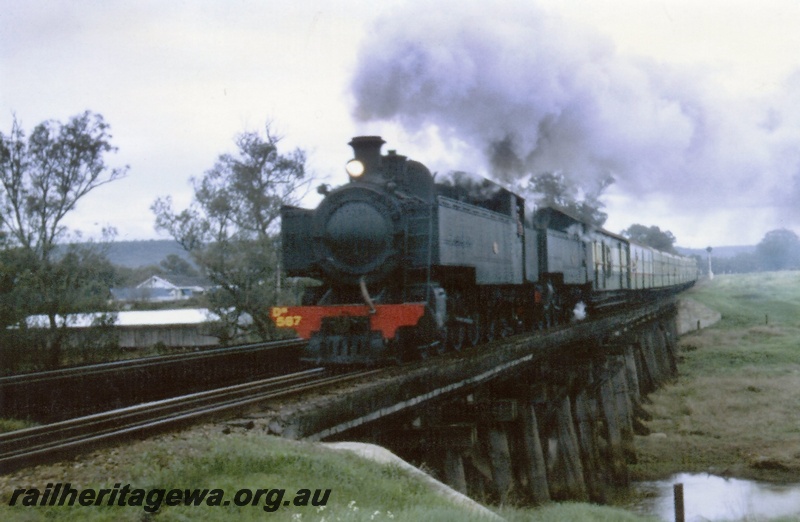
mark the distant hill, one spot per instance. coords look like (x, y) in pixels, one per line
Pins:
(133, 254)
(723, 251)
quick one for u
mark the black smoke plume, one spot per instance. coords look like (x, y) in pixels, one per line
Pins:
(535, 94)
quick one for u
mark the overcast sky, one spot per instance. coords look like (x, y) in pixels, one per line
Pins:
(693, 107)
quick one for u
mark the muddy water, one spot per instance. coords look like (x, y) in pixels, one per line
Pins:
(708, 498)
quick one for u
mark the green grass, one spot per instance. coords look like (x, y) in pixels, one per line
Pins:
(7, 425)
(760, 326)
(734, 406)
(747, 300)
(360, 490)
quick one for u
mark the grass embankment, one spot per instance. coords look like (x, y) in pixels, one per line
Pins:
(208, 458)
(734, 408)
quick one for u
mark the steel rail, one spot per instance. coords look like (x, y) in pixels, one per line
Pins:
(30, 445)
(142, 362)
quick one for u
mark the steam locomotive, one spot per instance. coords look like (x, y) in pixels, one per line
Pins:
(412, 266)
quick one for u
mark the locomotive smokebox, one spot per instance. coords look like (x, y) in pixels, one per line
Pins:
(367, 150)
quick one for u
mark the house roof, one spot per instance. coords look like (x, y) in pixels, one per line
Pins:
(155, 282)
(175, 281)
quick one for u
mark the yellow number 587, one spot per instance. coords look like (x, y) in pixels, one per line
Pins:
(288, 320)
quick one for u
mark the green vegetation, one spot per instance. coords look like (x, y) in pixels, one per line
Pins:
(744, 300)
(7, 425)
(733, 409)
(229, 232)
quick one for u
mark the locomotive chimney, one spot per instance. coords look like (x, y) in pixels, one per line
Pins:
(368, 151)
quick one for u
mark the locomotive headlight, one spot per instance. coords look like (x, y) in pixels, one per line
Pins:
(354, 168)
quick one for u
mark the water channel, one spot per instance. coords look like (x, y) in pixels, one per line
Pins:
(713, 498)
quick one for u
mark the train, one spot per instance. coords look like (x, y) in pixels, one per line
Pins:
(413, 265)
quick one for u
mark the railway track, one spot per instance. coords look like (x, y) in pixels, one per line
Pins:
(42, 443)
(143, 363)
(59, 394)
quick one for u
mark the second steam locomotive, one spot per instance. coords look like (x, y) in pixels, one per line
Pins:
(411, 265)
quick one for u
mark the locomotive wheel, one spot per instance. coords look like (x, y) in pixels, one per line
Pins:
(475, 330)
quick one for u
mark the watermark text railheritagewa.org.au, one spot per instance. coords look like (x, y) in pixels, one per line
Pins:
(151, 500)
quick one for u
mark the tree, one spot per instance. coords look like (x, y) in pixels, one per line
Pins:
(16, 293)
(553, 189)
(651, 236)
(779, 250)
(45, 176)
(42, 178)
(743, 262)
(230, 228)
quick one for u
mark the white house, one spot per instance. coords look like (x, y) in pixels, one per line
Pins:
(156, 289)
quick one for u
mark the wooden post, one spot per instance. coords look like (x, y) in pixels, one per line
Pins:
(646, 384)
(677, 490)
(619, 470)
(671, 344)
(587, 437)
(570, 453)
(478, 469)
(632, 373)
(624, 409)
(500, 458)
(648, 347)
(535, 465)
(660, 346)
(454, 470)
